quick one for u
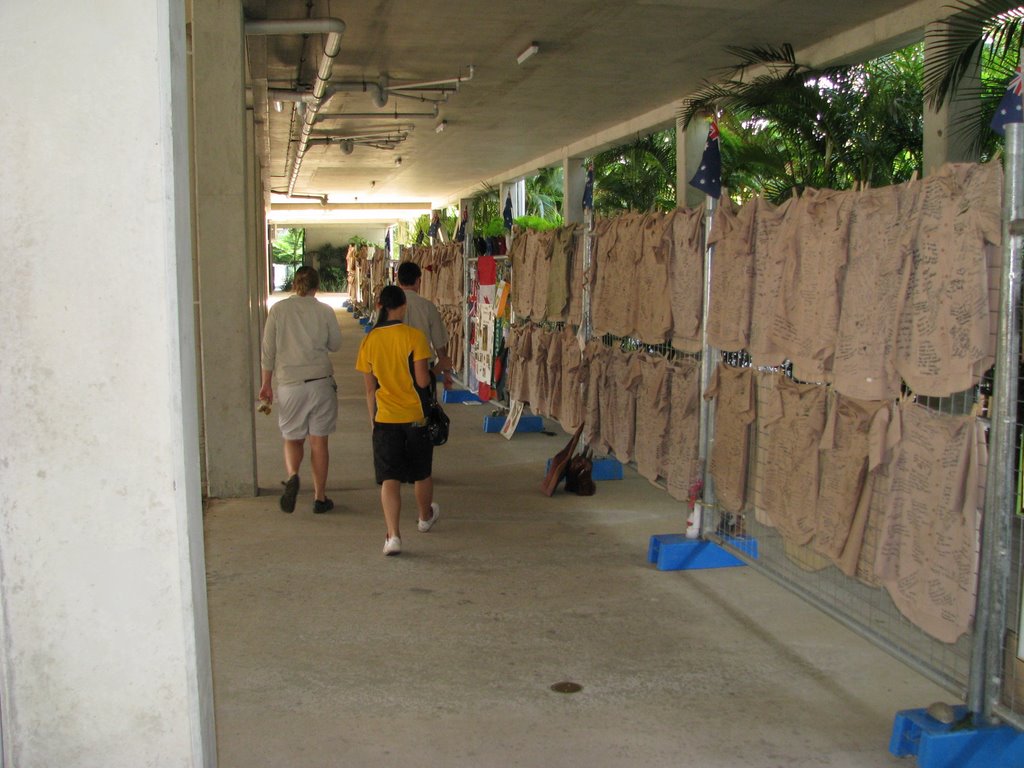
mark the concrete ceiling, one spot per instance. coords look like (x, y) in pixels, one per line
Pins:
(605, 71)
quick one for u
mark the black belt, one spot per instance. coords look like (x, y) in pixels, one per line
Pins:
(318, 378)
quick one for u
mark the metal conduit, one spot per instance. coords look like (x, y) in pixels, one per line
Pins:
(334, 29)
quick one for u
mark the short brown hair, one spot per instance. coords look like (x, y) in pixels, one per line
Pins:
(306, 279)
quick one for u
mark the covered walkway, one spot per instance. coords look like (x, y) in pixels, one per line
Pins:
(326, 653)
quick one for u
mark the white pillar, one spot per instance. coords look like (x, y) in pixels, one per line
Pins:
(574, 180)
(104, 646)
(225, 255)
(690, 143)
(944, 140)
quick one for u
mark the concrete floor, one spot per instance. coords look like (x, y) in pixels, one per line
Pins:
(326, 653)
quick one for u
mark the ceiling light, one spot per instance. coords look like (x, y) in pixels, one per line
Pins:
(527, 53)
(441, 126)
(278, 106)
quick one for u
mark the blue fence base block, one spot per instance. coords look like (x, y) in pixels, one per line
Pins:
(526, 424)
(675, 552)
(458, 396)
(941, 745)
(603, 469)
(364, 321)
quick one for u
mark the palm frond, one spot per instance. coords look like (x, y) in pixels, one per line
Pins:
(955, 48)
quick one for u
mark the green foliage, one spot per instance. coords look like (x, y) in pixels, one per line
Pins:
(537, 223)
(289, 247)
(407, 233)
(333, 269)
(544, 194)
(493, 228)
(795, 126)
(360, 242)
(640, 176)
(485, 207)
(983, 37)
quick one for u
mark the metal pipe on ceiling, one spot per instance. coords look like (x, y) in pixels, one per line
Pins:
(334, 29)
(378, 115)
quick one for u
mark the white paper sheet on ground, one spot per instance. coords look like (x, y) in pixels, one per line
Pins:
(514, 412)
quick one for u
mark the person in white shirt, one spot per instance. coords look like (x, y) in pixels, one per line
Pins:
(300, 333)
(421, 313)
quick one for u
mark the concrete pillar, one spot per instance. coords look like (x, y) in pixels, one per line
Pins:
(104, 644)
(224, 252)
(258, 263)
(944, 140)
(574, 179)
(690, 143)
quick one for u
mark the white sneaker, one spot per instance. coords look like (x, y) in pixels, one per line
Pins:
(392, 545)
(426, 525)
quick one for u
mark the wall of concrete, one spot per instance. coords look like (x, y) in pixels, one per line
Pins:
(104, 647)
(227, 250)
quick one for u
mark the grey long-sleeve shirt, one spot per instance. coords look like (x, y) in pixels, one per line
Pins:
(300, 333)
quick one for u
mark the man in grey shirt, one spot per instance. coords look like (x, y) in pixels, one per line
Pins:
(300, 333)
(421, 313)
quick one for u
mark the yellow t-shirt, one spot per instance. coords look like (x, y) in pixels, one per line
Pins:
(388, 352)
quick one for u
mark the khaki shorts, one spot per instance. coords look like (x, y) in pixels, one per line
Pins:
(307, 409)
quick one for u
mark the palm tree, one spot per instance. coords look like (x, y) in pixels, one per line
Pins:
(289, 247)
(795, 126)
(985, 37)
(639, 176)
(544, 194)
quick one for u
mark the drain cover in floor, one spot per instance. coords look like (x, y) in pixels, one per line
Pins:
(566, 687)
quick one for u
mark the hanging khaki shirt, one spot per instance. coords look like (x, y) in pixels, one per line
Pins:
(557, 297)
(595, 362)
(732, 276)
(571, 409)
(873, 292)
(774, 235)
(791, 417)
(927, 555)
(651, 306)
(944, 341)
(806, 314)
(735, 411)
(686, 278)
(650, 381)
(852, 449)
(682, 467)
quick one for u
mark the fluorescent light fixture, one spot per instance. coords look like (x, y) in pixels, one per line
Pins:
(440, 126)
(278, 106)
(528, 53)
(281, 213)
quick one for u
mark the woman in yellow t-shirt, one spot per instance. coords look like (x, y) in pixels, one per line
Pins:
(394, 359)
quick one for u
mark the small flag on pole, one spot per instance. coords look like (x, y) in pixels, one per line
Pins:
(460, 235)
(435, 224)
(708, 178)
(508, 211)
(588, 190)
(1009, 109)
(387, 244)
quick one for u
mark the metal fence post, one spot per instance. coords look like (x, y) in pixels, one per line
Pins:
(985, 683)
(708, 360)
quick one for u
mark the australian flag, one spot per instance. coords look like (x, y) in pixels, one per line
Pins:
(708, 178)
(1009, 109)
(508, 211)
(435, 225)
(460, 234)
(588, 190)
